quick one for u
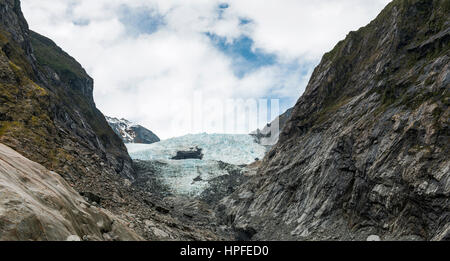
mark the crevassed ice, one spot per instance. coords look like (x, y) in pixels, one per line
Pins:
(232, 149)
(191, 177)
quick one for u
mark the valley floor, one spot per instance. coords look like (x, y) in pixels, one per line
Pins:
(190, 189)
(168, 199)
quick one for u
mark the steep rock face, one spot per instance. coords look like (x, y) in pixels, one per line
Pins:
(37, 204)
(131, 133)
(270, 134)
(47, 110)
(366, 150)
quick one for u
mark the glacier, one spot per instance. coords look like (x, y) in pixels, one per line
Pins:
(234, 149)
(191, 177)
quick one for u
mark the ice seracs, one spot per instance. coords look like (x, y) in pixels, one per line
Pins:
(229, 148)
(179, 167)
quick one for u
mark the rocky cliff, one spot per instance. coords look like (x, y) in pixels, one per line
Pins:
(38, 204)
(270, 134)
(130, 132)
(48, 115)
(47, 112)
(366, 149)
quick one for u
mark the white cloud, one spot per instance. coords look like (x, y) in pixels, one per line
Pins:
(147, 77)
(304, 28)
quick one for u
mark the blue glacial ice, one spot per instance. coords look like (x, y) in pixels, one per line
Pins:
(228, 148)
(191, 177)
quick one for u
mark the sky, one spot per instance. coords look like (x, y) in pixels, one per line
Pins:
(174, 66)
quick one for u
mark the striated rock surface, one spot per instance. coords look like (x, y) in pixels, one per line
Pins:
(366, 150)
(38, 204)
(270, 134)
(131, 133)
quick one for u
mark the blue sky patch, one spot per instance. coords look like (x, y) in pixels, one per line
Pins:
(140, 20)
(222, 8)
(245, 59)
(244, 21)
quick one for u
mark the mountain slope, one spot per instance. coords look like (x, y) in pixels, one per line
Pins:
(47, 111)
(366, 148)
(270, 134)
(131, 133)
(47, 114)
(37, 204)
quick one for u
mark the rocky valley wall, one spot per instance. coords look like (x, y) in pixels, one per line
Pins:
(366, 149)
(47, 111)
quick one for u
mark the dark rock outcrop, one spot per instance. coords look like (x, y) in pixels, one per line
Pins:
(270, 134)
(192, 153)
(131, 133)
(365, 151)
(225, 185)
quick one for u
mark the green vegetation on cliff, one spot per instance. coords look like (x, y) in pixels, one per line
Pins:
(49, 54)
(47, 111)
(422, 36)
